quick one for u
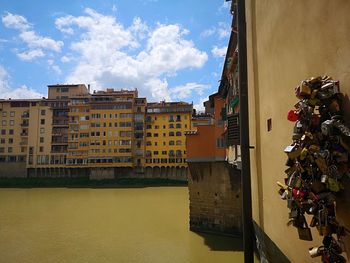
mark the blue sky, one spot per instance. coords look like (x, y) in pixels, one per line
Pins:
(172, 50)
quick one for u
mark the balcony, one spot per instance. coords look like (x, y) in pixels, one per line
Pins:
(74, 131)
(73, 122)
(25, 115)
(23, 143)
(24, 134)
(58, 142)
(25, 124)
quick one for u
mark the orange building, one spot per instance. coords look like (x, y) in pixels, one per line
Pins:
(206, 143)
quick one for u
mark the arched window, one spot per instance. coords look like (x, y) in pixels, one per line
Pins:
(178, 142)
(171, 133)
(178, 133)
(171, 142)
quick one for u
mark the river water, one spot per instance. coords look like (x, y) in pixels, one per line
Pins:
(105, 225)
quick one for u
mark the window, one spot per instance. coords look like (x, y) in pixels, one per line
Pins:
(3, 132)
(164, 127)
(10, 140)
(115, 115)
(178, 117)
(155, 134)
(42, 130)
(148, 126)
(12, 114)
(64, 89)
(164, 134)
(43, 112)
(23, 149)
(171, 142)
(9, 149)
(41, 149)
(2, 149)
(178, 125)
(171, 133)
(148, 143)
(164, 152)
(4, 114)
(156, 126)
(178, 133)
(116, 124)
(2, 140)
(84, 127)
(171, 126)
(155, 152)
(155, 143)
(220, 143)
(42, 121)
(4, 123)
(178, 142)
(149, 134)
(41, 139)
(171, 118)
(12, 122)
(11, 131)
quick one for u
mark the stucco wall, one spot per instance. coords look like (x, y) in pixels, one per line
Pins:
(288, 41)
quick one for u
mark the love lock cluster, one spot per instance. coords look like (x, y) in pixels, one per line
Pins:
(317, 161)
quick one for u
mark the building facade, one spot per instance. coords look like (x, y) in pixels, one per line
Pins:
(104, 134)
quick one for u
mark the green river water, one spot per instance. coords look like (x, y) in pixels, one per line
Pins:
(138, 225)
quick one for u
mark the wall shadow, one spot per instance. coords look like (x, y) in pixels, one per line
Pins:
(221, 243)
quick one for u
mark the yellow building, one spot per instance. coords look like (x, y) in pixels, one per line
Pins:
(166, 123)
(75, 133)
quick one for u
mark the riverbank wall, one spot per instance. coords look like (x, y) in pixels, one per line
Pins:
(18, 170)
(215, 198)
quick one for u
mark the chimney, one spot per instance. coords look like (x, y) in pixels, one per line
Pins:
(89, 88)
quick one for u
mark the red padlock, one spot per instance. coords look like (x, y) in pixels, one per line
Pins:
(293, 115)
(297, 194)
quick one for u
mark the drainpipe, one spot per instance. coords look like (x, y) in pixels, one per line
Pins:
(248, 234)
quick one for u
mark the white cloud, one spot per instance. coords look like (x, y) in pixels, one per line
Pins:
(199, 105)
(184, 91)
(36, 44)
(35, 41)
(104, 59)
(225, 6)
(6, 91)
(222, 30)
(209, 32)
(53, 67)
(15, 21)
(31, 54)
(65, 59)
(219, 52)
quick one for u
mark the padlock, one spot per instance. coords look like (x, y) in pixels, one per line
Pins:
(321, 164)
(317, 187)
(314, 148)
(333, 185)
(313, 222)
(316, 251)
(293, 151)
(341, 127)
(303, 153)
(323, 227)
(304, 231)
(305, 89)
(298, 194)
(324, 178)
(327, 128)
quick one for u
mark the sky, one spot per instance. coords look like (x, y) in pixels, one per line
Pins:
(168, 50)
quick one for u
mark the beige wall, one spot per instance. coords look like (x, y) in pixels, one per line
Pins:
(288, 41)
